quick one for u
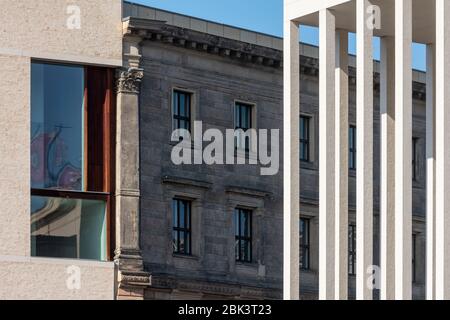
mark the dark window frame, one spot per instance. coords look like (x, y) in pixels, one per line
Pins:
(415, 142)
(305, 246)
(239, 108)
(352, 148)
(352, 249)
(186, 230)
(177, 117)
(305, 138)
(99, 146)
(414, 258)
(240, 238)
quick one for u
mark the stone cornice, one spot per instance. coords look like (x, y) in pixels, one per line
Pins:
(186, 182)
(214, 287)
(247, 192)
(153, 30)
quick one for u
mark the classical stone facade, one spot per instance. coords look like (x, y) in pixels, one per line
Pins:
(219, 65)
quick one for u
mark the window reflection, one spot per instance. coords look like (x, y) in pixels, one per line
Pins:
(68, 228)
(57, 98)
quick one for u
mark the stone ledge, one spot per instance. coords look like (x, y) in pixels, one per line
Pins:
(186, 182)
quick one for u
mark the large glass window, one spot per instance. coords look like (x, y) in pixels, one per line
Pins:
(304, 244)
(68, 228)
(181, 239)
(304, 138)
(243, 232)
(57, 127)
(71, 153)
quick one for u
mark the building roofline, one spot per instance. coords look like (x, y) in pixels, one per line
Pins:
(202, 19)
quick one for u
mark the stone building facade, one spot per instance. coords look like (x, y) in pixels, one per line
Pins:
(219, 66)
(152, 62)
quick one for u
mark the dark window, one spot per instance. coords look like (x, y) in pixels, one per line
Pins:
(304, 244)
(182, 110)
(72, 130)
(414, 158)
(352, 250)
(243, 121)
(305, 138)
(243, 232)
(181, 239)
(414, 248)
(352, 148)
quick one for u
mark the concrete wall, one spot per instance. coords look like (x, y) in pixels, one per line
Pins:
(38, 30)
(53, 279)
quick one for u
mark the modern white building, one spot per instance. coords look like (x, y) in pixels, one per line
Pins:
(398, 23)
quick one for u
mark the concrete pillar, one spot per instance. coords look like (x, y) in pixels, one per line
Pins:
(403, 149)
(341, 159)
(327, 163)
(442, 149)
(364, 161)
(132, 278)
(431, 173)
(387, 182)
(291, 268)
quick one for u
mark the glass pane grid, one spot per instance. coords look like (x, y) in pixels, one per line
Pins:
(243, 221)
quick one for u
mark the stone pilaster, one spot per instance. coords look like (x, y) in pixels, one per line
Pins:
(132, 279)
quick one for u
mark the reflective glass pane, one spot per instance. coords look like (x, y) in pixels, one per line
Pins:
(68, 228)
(57, 98)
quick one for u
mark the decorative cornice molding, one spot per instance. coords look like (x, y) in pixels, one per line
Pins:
(186, 182)
(160, 31)
(247, 192)
(129, 81)
(135, 279)
(214, 287)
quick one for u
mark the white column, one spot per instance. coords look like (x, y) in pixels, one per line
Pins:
(442, 149)
(327, 161)
(291, 268)
(341, 147)
(403, 149)
(364, 161)
(431, 172)
(387, 182)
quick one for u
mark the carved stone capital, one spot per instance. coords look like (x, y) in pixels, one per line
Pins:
(129, 81)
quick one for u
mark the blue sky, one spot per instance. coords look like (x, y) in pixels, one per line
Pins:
(259, 15)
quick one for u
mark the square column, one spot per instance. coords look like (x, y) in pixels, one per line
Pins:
(431, 173)
(327, 163)
(291, 267)
(364, 159)
(341, 157)
(442, 149)
(387, 182)
(403, 149)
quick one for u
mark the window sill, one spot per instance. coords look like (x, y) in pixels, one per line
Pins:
(185, 257)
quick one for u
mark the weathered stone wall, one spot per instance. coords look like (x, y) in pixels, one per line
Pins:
(216, 83)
